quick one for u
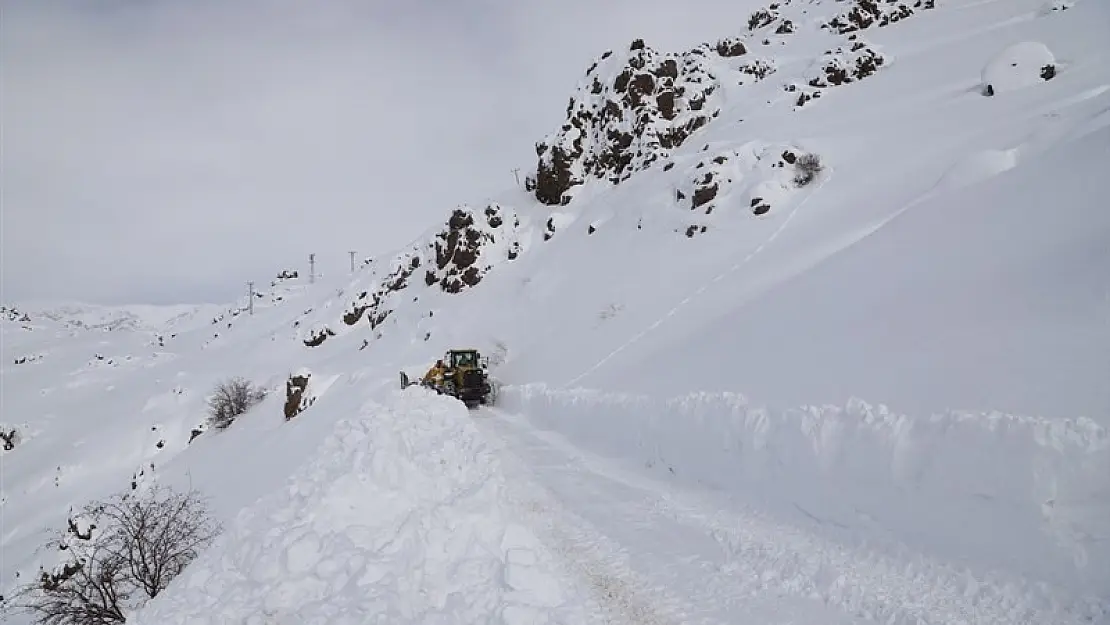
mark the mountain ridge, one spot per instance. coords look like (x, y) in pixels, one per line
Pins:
(841, 350)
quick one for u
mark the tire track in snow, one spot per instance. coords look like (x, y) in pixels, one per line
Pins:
(735, 267)
(653, 580)
(622, 596)
(762, 558)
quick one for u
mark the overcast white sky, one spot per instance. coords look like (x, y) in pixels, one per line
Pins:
(159, 151)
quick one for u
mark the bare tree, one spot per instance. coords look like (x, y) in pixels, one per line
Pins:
(130, 550)
(230, 399)
(806, 169)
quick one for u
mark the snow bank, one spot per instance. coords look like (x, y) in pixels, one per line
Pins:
(1017, 67)
(401, 518)
(1018, 493)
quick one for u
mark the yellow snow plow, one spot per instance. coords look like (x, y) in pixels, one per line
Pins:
(462, 374)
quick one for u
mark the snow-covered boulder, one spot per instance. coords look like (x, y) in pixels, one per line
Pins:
(1019, 66)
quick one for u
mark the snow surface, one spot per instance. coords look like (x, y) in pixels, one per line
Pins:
(400, 516)
(1018, 66)
(883, 399)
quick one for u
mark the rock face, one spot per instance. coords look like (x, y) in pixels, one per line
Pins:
(296, 400)
(317, 336)
(631, 110)
(635, 106)
(457, 258)
(843, 65)
(464, 251)
(864, 14)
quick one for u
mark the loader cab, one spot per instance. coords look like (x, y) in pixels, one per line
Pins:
(462, 359)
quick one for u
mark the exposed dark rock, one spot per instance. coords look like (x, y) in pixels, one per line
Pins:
(864, 14)
(318, 337)
(704, 193)
(295, 400)
(731, 48)
(761, 18)
(10, 436)
(655, 102)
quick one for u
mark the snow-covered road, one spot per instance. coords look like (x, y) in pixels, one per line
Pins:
(654, 553)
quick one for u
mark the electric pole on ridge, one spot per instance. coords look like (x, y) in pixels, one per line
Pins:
(311, 268)
(352, 261)
(516, 175)
(250, 298)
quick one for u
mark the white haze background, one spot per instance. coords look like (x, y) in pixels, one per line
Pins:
(164, 152)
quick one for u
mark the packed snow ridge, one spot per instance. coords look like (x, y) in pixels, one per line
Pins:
(401, 516)
(806, 324)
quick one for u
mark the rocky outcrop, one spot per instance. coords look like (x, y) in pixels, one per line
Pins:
(632, 109)
(471, 243)
(864, 14)
(9, 436)
(296, 398)
(757, 176)
(11, 313)
(635, 106)
(317, 336)
(470, 246)
(845, 64)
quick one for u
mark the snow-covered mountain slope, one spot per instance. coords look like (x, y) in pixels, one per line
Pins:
(811, 324)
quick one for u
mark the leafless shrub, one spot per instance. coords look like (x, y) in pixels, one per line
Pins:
(230, 399)
(118, 554)
(806, 169)
(10, 437)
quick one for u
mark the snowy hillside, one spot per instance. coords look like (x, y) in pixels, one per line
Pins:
(811, 324)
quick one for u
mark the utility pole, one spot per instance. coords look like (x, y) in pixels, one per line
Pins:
(311, 268)
(516, 175)
(352, 261)
(250, 298)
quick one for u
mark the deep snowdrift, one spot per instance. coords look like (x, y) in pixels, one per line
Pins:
(990, 491)
(949, 261)
(400, 516)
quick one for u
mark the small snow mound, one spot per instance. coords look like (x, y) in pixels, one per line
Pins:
(1017, 67)
(402, 517)
(978, 167)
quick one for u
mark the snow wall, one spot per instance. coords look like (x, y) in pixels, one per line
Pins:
(987, 489)
(402, 516)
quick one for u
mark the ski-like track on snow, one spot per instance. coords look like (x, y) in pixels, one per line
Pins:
(704, 287)
(654, 554)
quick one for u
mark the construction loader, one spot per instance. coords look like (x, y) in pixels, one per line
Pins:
(462, 374)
